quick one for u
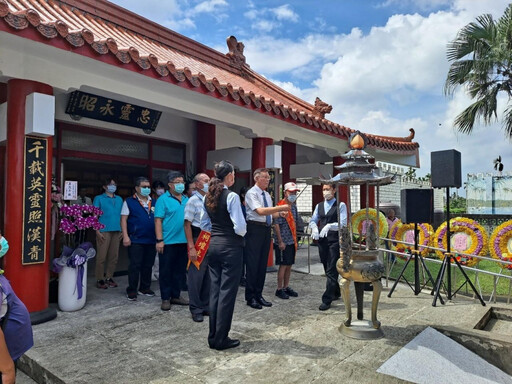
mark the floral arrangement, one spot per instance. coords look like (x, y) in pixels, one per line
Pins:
(401, 232)
(360, 222)
(500, 243)
(76, 219)
(79, 218)
(467, 237)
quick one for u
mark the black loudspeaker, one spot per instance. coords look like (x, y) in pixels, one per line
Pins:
(417, 205)
(445, 169)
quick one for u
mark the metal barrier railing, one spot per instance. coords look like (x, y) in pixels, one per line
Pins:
(476, 270)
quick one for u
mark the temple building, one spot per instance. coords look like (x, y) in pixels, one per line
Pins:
(89, 90)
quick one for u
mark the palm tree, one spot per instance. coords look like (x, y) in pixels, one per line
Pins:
(481, 61)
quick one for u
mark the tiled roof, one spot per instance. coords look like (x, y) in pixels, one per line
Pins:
(160, 52)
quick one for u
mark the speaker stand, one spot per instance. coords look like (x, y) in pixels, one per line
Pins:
(417, 259)
(446, 266)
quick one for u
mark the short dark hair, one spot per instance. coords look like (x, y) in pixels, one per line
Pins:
(158, 184)
(108, 180)
(173, 175)
(332, 185)
(139, 180)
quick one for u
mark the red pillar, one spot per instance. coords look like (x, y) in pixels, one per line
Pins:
(342, 189)
(30, 282)
(288, 157)
(371, 193)
(259, 154)
(205, 142)
(3, 99)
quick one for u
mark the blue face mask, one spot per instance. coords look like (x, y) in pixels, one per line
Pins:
(111, 188)
(145, 191)
(4, 246)
(292, 198)
(205, 187)
(179, 187)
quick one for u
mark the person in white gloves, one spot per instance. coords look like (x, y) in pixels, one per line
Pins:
(324, 228)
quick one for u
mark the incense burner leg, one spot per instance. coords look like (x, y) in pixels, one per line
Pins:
(377, 289)
(360, 298)
(345, 293)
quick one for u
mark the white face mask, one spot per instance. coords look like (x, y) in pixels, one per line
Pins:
(327, 195)
(160, 191)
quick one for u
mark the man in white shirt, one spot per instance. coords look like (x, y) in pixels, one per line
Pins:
(258, 238)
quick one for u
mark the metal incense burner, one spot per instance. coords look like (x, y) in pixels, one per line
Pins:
(356, 264)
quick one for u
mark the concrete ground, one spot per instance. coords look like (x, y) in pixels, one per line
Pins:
(113, 340)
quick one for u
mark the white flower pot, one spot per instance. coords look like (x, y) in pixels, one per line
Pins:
(68, 293)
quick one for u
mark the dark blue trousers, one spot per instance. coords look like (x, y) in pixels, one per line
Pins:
(142, 258)
(257, 247)
(173, 267)
(329, 255)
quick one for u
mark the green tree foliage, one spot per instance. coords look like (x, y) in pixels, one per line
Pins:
(481, 60)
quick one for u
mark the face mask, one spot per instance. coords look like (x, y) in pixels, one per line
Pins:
(160, 191)
(327, 195)
(205, 187)
(111, 188)
(145, 191)
(292, 198)
(4, 246)
(179, 187)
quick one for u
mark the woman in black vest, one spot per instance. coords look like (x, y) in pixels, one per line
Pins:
(226, 223)
(324, 228)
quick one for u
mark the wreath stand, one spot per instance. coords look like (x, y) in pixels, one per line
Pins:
(446, 266)
(416, 254)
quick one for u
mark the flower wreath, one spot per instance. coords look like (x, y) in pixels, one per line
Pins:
(359, 218)
(473, 236)
(500, 243)
(426, 233)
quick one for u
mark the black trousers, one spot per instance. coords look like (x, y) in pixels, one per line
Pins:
(225, 268)
(142, 258)
(257, 247)
(199, 287)
(329, 255)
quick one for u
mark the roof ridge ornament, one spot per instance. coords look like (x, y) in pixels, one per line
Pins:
(236, 52)
(321, 108)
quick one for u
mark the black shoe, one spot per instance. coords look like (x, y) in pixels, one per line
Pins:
(229, 343)
(324, 307)
(197, 317)
(206, 313)
(264, 302)
(253, 303)
(282, 294)
(290, 292)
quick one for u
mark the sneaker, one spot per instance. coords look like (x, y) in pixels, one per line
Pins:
(147, 292)
(111, 283)
(132, 296)
(179, 301)
(290, 292)
(101, 284)
(166, 305)
(282, 294)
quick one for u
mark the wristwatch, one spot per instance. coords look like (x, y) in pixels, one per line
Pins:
(159, 240)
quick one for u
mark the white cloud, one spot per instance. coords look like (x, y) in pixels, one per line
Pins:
(209, 6)
(285, 12)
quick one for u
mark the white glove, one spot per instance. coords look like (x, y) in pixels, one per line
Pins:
(314, 233)
(325, 230)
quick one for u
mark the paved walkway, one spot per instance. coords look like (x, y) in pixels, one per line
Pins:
(113, 340)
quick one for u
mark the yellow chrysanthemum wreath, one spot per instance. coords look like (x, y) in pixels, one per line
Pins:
(426, 233)
(476, 238)
(500, 243)
(359, 218)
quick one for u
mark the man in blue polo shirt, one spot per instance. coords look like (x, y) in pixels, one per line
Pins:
(171, 242)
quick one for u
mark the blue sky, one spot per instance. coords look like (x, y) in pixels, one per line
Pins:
(381, 64)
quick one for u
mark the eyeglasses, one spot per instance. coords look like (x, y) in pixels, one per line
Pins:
(264, 177)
